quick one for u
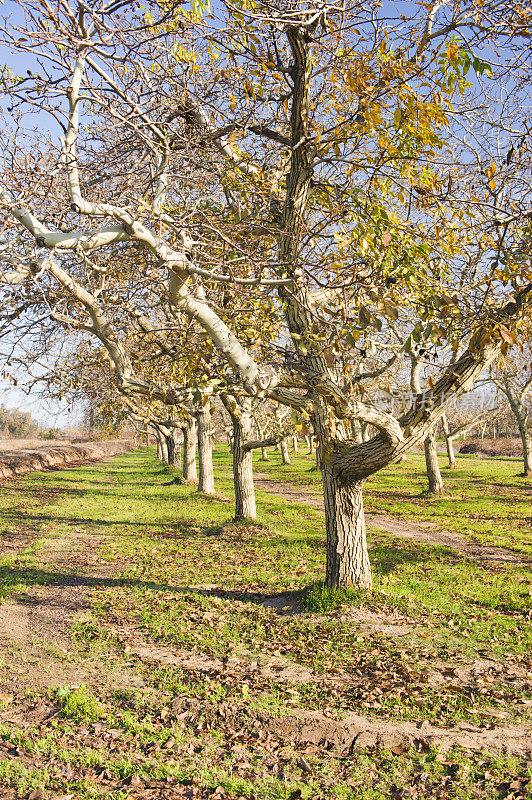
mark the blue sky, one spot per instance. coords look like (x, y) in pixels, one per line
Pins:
(49, 413)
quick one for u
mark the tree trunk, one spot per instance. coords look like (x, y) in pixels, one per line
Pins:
(521, 417)
(189, 450)
(162, 449)
(285, 455)
(178, 451)
(206, 471)
(449, 442)
(356, 431)
(433, 467)
(263, 450)
(172, 450)
(245, 504)
(526, 438)
(230, 440)
(347, 551)
(295, 444)
(311, 445)
(366, 431)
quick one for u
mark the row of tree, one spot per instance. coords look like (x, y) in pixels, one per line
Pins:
(17, 424)
(287, 203)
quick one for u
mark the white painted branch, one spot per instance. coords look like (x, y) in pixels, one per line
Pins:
(23, 271)
(57, 240)
(217, 276)
(162, 182)
(223, 338)
(69, 141)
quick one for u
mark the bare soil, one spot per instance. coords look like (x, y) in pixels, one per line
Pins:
(36, 644)
(313, 727)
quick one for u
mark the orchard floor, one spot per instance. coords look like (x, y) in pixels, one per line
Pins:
(152, 648)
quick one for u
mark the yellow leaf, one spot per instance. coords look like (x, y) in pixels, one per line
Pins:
(397, 118)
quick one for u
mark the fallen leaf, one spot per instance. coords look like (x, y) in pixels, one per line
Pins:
(399, 749)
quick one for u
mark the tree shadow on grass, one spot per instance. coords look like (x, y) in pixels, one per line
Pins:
(12, 577)
(391, 494)
(385, 559)
(114, 491)
(43, 519)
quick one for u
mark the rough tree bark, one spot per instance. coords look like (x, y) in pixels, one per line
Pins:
(162, 448)
(526, 438)
(240, 412)
(172, 450)
(189, 450)
(285, 455)
(245, 504)
(347, 554)
(449, 442)
(206, 470)
(433, 466)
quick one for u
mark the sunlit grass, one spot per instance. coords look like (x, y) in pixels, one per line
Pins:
(485, 499)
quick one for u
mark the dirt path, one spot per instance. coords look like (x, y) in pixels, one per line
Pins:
(425, 532)
(35, 624)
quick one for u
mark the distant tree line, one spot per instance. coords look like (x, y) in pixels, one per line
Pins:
(17, 423)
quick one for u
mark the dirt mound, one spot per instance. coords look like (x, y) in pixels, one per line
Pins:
(19, 462)
(509, 447)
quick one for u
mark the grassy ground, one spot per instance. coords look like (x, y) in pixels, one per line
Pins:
(485, 499)
(166, 578)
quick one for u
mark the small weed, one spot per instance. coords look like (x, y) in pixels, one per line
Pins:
(79, 705)
(320, 598)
